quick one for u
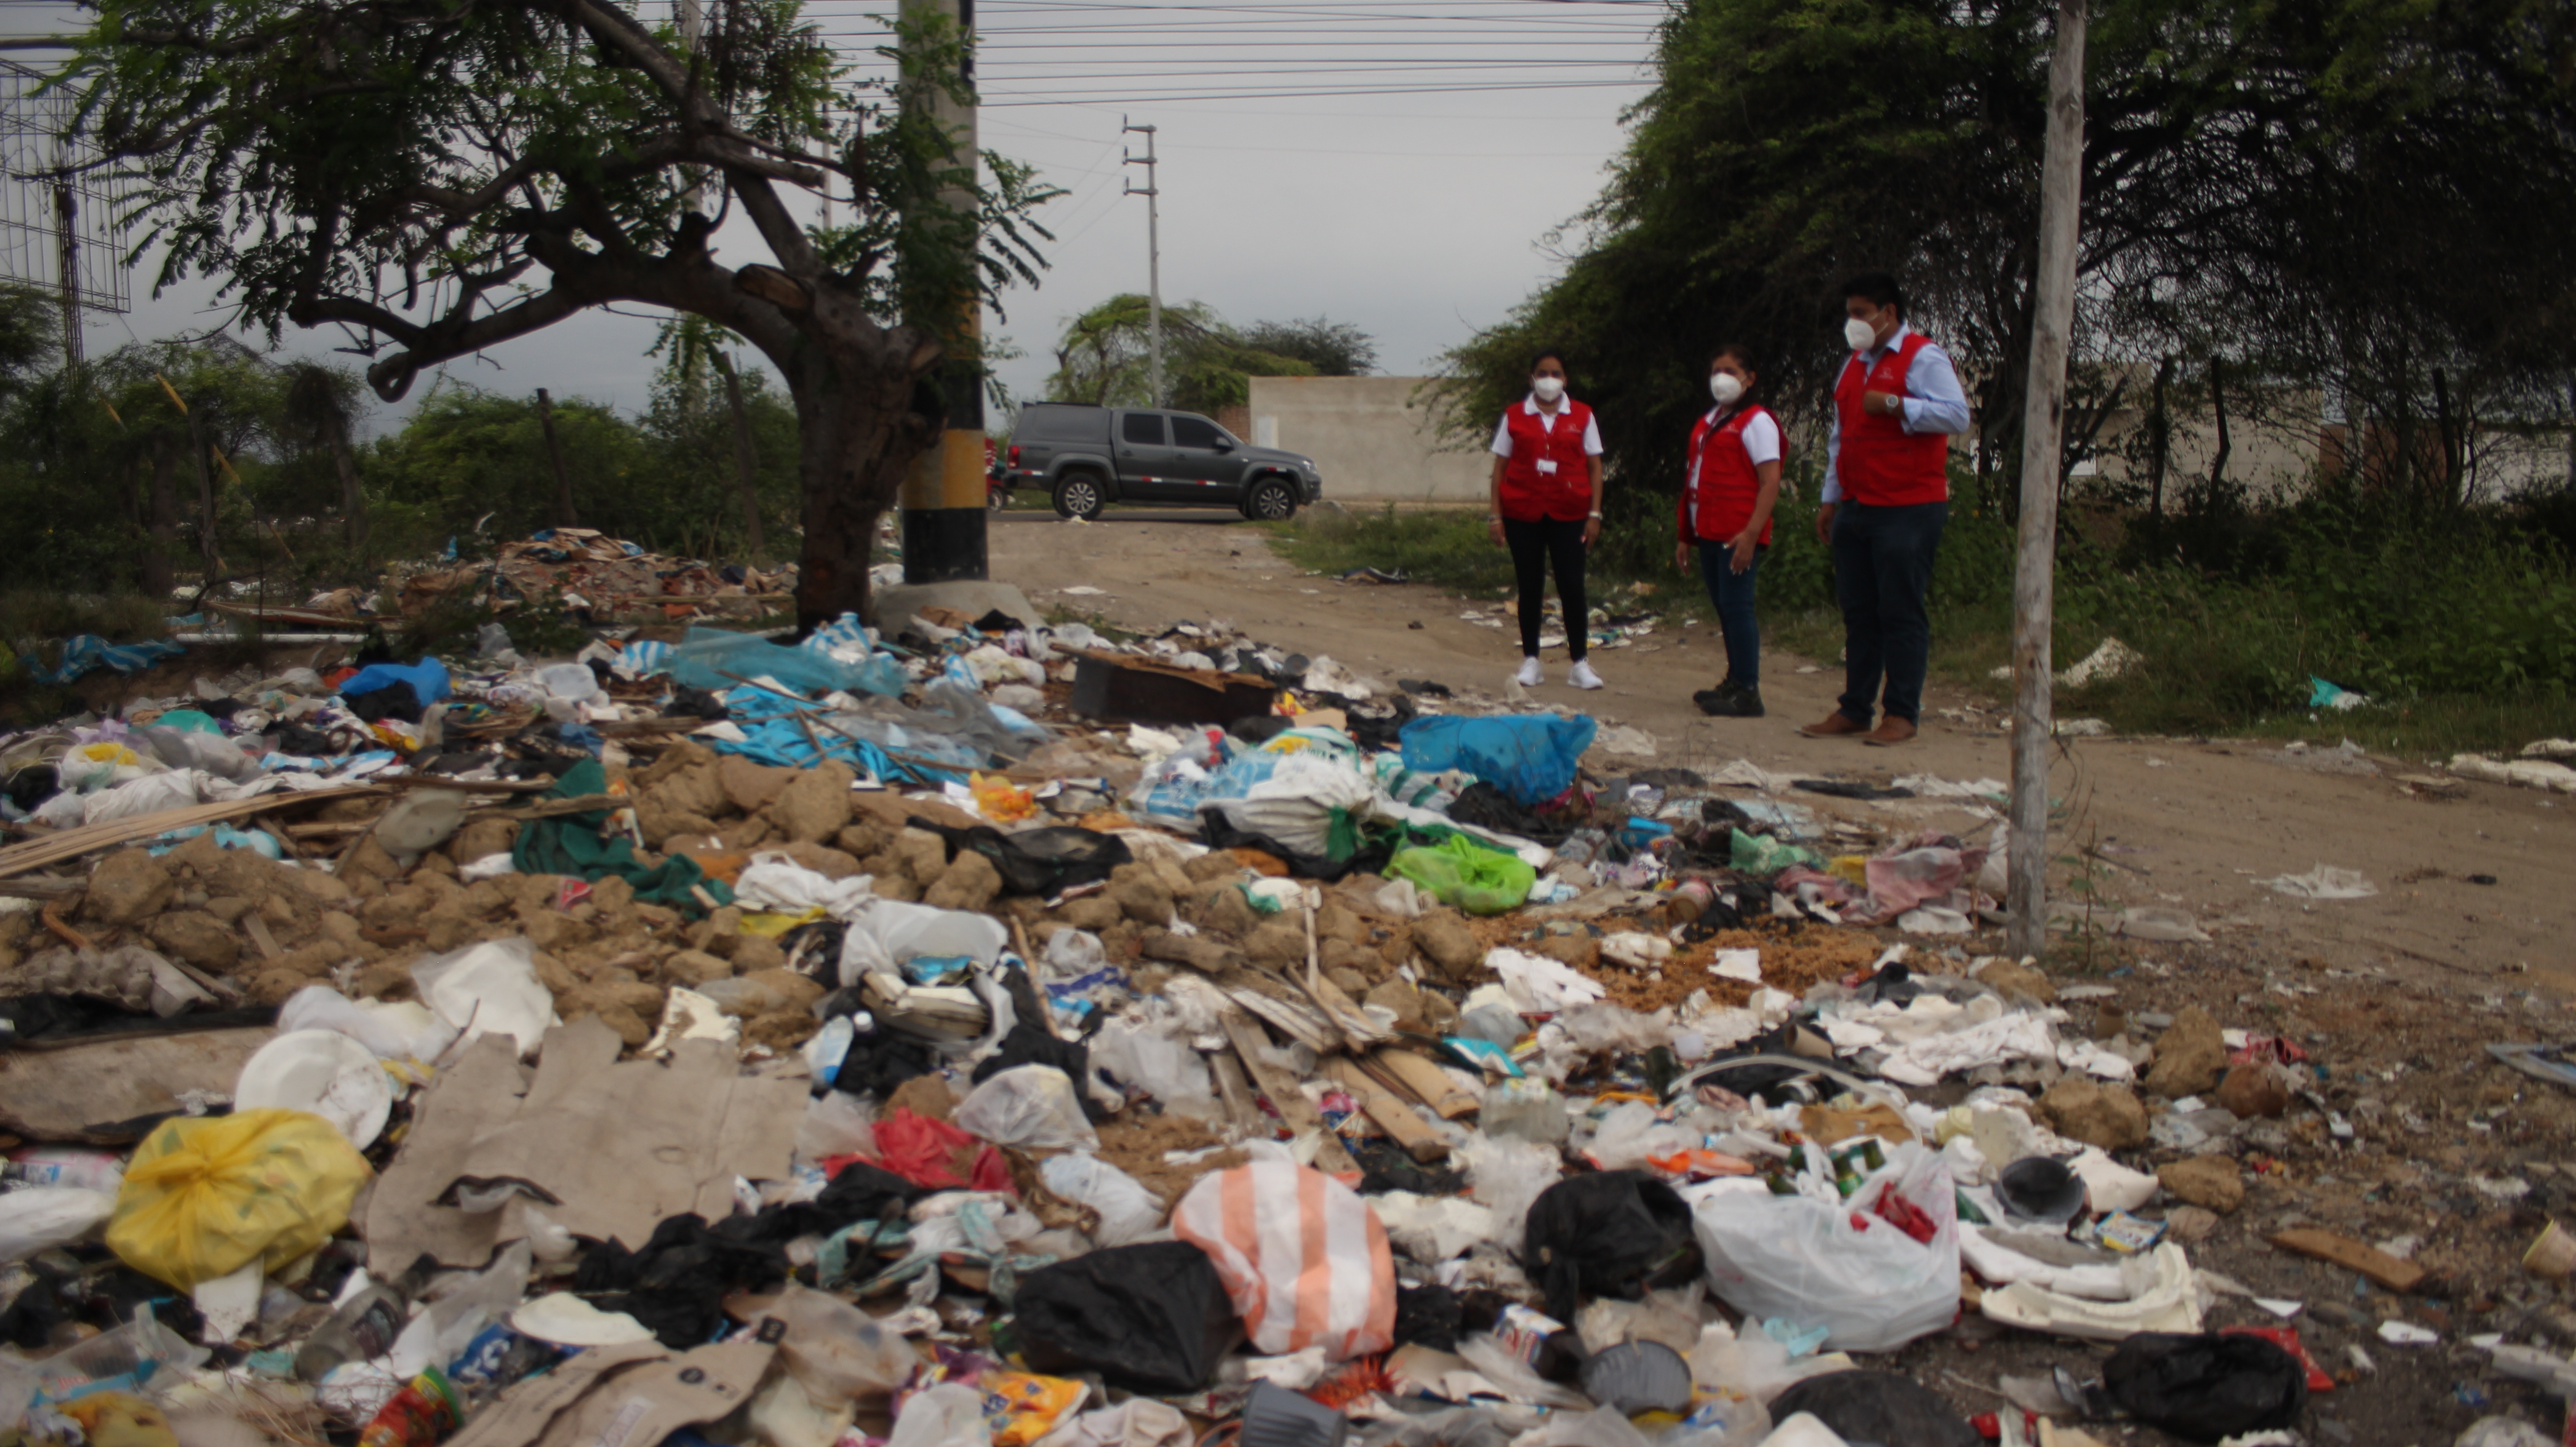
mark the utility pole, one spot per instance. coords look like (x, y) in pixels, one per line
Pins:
(943, 494)
(1152, 191)
(2043, 414)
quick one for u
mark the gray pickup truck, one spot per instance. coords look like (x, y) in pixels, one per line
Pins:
(1087, 457)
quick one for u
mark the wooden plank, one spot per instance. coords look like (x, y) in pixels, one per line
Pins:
(1293, 1106)
(2343, 1251)
(1393, 1114)
(101, 1092)
(1236, 1090)
(1428, 1083)
(90, 838)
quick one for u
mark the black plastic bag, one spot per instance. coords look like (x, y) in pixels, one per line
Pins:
(1044, 861)
(676, 1284)
(1882, 1407)
(2209, 1386)
(1150, 1318)
(1609, 1234)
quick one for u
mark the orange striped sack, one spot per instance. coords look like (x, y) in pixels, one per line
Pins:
(1302, 1256)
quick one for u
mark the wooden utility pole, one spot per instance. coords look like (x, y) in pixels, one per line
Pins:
(554, 452)
(2043, 415)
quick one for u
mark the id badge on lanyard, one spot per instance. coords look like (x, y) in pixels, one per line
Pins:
(1547, 465)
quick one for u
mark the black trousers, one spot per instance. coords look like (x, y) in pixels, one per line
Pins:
(1536, 546)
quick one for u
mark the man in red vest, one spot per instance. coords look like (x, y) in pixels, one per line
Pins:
(1886, 495)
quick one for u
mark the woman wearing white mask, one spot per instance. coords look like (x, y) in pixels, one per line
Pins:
(1547, 508)
(1731, 483)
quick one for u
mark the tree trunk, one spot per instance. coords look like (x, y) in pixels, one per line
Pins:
(214, 562)
(161, 523)
(2218, 406)
(564, 517)
(2159, 444)
(2447, 439)
(745, 463)
(353, 503)
(861, 422)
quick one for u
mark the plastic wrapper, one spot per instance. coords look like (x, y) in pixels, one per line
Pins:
(837, 1352)
(1128, 1212)
(40, 1218)
(1870, 1285)
(947, 1415)
(1459, 871)
(1151, 1318)
(1531, 758)
(1303, 1256)
(205, 1197)
(1030, 1107)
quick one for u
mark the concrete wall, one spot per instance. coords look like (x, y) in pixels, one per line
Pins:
(1371, 439)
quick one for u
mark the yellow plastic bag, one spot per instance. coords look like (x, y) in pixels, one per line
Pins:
(203, 1198)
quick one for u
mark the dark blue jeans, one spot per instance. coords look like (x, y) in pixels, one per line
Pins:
(1882, 567)
(1731, 594)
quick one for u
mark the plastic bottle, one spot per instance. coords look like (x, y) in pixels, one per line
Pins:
(364, 1327)
(63, 1166)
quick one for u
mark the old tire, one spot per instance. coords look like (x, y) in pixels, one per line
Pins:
(1273, 500)
(1077, 495)
(997, 498)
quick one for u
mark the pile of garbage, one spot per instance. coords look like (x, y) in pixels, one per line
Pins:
(1001, 1033)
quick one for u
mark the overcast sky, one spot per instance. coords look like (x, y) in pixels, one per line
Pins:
(1397, 166)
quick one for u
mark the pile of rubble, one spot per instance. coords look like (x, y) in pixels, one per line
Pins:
(1002, 1033)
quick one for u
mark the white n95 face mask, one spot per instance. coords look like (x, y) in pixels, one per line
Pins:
(1724, 387)
(1548, 388)
(1859, 333)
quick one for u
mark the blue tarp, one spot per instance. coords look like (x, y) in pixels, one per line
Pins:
(428, 679)
(88, 651)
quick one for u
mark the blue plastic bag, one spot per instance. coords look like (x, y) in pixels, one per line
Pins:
(1530, 757)
(706, 655)
(428, 679)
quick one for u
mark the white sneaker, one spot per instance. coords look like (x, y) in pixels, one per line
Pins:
(1528, 676)
(1581, 674)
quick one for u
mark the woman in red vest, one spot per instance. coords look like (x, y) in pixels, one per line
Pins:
(1730, 483)
(1886, 496)
(1547, 508)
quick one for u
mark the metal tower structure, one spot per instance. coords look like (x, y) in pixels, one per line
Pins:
(58, 208)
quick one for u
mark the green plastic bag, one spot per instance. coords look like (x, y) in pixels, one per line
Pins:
(1459, 871)
(1763, 855)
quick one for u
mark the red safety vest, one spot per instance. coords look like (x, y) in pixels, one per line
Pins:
(1721, 481)
(1530, 494)
(1880, 463)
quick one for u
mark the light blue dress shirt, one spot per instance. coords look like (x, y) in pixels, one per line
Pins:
(1934, 401)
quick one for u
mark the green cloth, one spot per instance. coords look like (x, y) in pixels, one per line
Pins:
(1462, 872)
(576, 844)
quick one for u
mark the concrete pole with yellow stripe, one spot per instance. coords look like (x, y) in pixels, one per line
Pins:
(943, 495)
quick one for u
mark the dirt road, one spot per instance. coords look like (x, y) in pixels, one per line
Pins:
(2192, 824)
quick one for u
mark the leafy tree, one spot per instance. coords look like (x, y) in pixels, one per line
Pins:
(1105, 355)
(476, 461)
(2354, 190)
(1333, 349)
(723, 431)
(437, 180)
(321, 406)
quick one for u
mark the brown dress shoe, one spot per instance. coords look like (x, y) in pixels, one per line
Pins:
(1890, 732)
(1835, 725)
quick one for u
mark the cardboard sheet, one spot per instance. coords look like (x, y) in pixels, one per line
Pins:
(605, 1148)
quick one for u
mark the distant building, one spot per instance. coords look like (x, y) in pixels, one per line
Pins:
(1372, 438)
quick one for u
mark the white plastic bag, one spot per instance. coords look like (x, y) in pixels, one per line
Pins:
(1128, 1212)
(948, 1415)
(1873, 1288)
(1032, 1107)
(490, 988)
(40, 1218)
(393, 1029)
(891, 932)
(836, 1123)
(1507, 1174)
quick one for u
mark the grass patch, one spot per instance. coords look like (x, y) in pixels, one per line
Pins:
(2460, 628)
